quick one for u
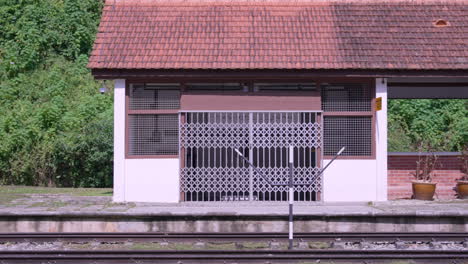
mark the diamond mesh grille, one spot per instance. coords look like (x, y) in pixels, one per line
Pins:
(154, 97)
(346, 98)
(353, 132)
(212, 171)
(153, 134)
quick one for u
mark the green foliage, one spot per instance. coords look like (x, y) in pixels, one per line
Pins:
(441, 124)
(33, 30)
(56, 128)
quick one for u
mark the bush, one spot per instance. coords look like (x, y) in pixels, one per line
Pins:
(440, 123)
(56, 128)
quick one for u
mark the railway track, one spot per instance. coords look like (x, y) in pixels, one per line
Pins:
(220, 256)
(332, 254)
(228, 237)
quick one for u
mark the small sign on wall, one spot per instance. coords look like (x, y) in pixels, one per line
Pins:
(378, 103)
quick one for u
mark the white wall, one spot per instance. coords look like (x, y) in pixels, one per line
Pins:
(350, 181)
(381, 140)
(140, 180)
(152, 180)
(362, 180)
(119, 140)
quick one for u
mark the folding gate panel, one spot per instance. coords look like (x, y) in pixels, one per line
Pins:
(212, 171)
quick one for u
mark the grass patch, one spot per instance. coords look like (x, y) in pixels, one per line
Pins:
(38, 204)
(147, 246)
(254, 245)
(8, 198)
(11, 195)
(221, 246)
(118, 207)
(319, 245)
(182, 246)
(126, 205)
(25, 190)
(51, 205)
(78, 246)
(87, 205)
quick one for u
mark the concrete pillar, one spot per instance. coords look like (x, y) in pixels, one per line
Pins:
(381, 140)
(119, 140)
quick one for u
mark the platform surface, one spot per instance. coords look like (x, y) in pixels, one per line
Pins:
(69, 205)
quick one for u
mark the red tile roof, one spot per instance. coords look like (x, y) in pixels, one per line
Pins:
(282, 34)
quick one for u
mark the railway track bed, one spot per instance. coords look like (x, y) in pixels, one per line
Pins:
(181, 237)
(350, 248)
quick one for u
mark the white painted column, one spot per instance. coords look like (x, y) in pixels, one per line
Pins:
(381, 141)
(119, 140)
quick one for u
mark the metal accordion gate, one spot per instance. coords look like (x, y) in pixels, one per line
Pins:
(212, 171)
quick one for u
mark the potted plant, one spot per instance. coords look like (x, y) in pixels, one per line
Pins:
(462, 183)
(423, 187)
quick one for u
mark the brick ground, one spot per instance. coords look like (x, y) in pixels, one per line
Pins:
(401, 170)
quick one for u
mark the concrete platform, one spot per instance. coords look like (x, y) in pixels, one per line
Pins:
(66, 213)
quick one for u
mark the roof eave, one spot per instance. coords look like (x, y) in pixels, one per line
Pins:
(259, 74)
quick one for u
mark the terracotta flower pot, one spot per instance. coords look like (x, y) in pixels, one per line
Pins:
(423, 190)
(462, 189)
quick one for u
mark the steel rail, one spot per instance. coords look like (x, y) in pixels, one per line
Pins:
(234, 255)
(168, 237)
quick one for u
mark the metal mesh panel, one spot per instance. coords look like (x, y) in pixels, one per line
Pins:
(214, 86)
(215, 130)
(153, 134)
(353, 132)
(272, 134)
(285, 87)
(285, 129)
(275, 167)
(154, 96)
(346, 97)
(212, 171)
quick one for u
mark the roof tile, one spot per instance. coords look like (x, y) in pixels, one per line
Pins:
(289, 34)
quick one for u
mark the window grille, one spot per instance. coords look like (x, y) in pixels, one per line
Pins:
(150, 131)
(214, 86)
(153, 134)
(154, 96)
(346, 97)
(353, 132)
(343, 125)
(285, 87)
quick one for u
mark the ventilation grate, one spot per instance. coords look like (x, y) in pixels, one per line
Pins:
(346, 98)
(214, 86)
(352, 132)
(153, 134)
(154, 96)
(285, 87)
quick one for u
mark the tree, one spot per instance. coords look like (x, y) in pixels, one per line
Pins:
(56, 128)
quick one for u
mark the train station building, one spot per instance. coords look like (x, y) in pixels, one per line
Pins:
(196, 80)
